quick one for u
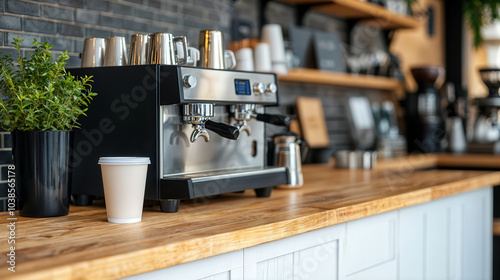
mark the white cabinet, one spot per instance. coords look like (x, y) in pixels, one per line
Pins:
(312, 255)
(223, 267)
(448, 238)
(370, 248)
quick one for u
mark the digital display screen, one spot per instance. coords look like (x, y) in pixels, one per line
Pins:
(242, 87)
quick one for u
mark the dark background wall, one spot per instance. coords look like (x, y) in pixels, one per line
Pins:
(66, 23)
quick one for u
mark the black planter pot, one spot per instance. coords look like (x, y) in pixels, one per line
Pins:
(42, 161)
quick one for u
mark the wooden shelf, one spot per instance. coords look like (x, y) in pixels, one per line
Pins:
(304, 75)
(356, 9)
(496, 227)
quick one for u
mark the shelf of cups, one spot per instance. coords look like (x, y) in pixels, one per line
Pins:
(362, 10)
(314, 76)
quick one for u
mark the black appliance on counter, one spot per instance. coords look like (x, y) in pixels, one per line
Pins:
(203, 129)
(425, 126)
(486, 130)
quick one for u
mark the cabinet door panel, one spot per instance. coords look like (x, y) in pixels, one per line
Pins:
(225, 266)
(312, 255)
(316, 262)
(448, 238)
(477, 234)
(279, 268)
(411, 243)
(436, 238)
(221, 276)
(371, 242)
(426, 242)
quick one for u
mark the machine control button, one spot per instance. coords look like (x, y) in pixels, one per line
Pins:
(271, 88)
(259, 88)
(189, 81)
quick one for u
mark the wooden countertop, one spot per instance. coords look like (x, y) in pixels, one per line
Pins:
(83, 245)
(426, 161)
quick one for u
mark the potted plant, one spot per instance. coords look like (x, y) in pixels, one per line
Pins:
(40, 104)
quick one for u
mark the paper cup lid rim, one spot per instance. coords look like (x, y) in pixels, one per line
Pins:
(124, 160)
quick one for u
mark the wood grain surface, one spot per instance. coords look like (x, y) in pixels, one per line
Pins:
(304, 75)
(496, 227)
(83, 245)
(469, 160)
(355, 9)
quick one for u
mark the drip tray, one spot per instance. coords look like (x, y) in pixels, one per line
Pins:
(212, 183)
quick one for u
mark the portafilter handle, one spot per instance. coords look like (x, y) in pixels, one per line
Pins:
(223, 130)
(279, 120)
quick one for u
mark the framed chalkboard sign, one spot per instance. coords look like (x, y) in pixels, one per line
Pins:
(328, 50)
(302, 45)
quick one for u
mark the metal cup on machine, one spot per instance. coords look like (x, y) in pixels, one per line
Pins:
(168, 49)
(93, 52)
(140, 49)
(212, 53)
(116, 51)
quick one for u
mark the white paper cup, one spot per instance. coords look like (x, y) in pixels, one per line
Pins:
(280, 68)
(272, 34)
(262, 58)
(124, 181)
(244, 59)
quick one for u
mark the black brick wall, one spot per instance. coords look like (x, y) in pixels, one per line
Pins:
(66, 23)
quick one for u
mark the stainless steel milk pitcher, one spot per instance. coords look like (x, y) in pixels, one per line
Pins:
(289, 150)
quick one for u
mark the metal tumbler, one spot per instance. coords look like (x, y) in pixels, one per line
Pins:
(168, 49)
(140, 49)
(116, 51)
(212, 53)
(93, 52)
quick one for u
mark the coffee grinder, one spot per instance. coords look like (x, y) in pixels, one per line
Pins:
(425, 126)
(486, 131)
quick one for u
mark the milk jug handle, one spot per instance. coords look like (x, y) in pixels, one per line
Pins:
(182, 52)
(304, 148)
(229, 59)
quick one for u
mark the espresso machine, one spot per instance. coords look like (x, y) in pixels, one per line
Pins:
(203, 129)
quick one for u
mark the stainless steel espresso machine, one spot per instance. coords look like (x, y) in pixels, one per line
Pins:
(188, 121)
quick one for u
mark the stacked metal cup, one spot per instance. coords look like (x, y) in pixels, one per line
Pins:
(116, 52)
(93, 52)
(164, 47)
(140, 49)
(212, 53)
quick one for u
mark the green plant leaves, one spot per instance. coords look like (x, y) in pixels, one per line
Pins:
(479, 13)
(38, 93)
